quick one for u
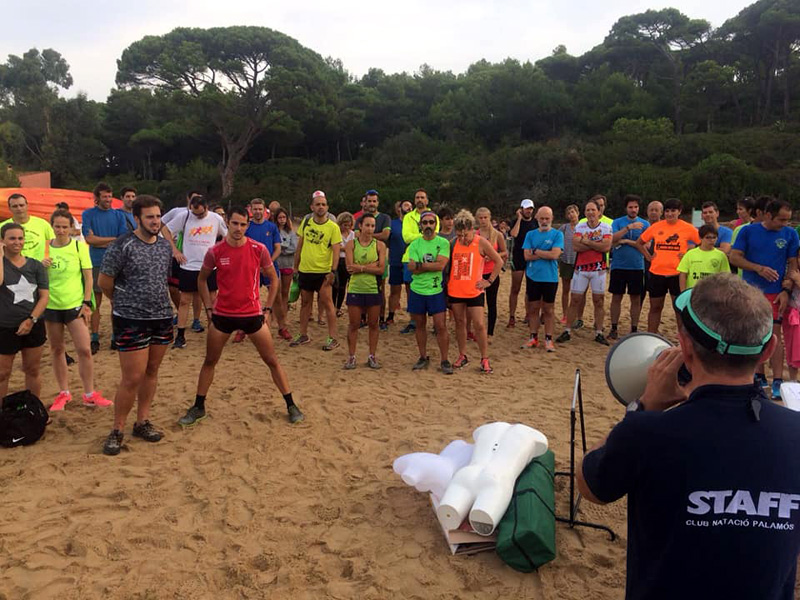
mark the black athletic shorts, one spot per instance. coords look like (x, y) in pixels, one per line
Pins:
(541, 290)
(660, 285)
(470, 302)
(62, 316)
(187, 281)
(311, 282)
(11, 343)
(174, 273)
(138, 334)
(230, 324)
(518, 262)
(631, 280)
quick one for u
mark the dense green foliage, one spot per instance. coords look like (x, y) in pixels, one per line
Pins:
(664, 106)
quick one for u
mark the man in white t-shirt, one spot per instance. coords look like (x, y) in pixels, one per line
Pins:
(200, 230)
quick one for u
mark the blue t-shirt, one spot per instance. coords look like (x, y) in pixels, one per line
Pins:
(626, 256)
(724, 235)
(268, 234)
(713, 496)
(543, 270)
(770, 248)
(129, 218)
(397, 246)
(103, 223)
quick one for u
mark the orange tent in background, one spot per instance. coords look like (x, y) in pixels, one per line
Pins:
(42, 201)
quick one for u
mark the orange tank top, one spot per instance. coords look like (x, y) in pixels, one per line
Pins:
(488, 265)
(466, 269)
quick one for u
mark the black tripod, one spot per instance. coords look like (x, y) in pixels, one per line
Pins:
(575, 500)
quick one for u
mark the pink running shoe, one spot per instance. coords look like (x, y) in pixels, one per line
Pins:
(96, 399)
(61, 401)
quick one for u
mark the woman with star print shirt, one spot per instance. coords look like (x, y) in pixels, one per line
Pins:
(23, 298)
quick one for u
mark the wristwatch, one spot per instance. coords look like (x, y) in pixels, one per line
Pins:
(634, 406)
(88, 303)
(34, 319)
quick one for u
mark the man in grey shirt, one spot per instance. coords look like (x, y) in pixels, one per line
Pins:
(134, 276)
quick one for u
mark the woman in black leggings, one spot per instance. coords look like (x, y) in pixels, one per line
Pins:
(485, 230)
(346, 222)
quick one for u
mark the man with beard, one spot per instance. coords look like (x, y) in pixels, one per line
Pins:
(412, 231)
(524, 223)
(397, 248)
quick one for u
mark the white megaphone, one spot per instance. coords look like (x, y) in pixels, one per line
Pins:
(628, 361)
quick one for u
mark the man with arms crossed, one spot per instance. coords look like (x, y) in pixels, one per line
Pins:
(711, 471)
(315, 262)
(627, 264)
(427, 257)
(672, 239)
(238, 261)
(134, 277)
(766, 252)
(412, 230)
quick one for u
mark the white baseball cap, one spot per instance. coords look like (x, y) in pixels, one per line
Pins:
(527, 203)
(317, 194)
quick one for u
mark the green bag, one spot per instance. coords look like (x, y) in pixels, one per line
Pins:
(526, 535)
(294, 291)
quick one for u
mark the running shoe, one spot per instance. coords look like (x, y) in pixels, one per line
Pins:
(461, 361)
(351, 363)
(486, 367)
(410, 328)
(447, 367)
(549, 346)
(761, 379)
(61, 401)
(284, 333)
(340, 313)
(526, 321)
(422, 363)
(776, 389)
(179, 342)
(563, 320)
(192, 417)
(147, 432)
(601, 339)
(578, 324)
(295, 416)
(384, 326)
(70, 360)
(95, 345)
(197, 326)
(330, 344)
(564, 337)
(533, 342)
(320, 322)
(239, 336)
(300, 340)
(113, 345)
(372, 362)
(512, 322)
(113, 443)
(613, 334)
(389, 321)
(96, 399)
(471, 337)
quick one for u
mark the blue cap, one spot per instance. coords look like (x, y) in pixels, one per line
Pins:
(371, 193)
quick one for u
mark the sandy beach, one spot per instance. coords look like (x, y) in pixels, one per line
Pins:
(246, 506)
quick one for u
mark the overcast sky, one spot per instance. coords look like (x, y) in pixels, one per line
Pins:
(393, 36)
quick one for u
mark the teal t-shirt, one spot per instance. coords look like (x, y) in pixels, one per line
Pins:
(427, 251)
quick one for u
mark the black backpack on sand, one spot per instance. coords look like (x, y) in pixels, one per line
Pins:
(23, 419)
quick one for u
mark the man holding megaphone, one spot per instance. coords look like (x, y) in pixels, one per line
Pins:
(711, 470)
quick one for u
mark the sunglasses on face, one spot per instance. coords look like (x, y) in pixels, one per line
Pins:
(426, 222)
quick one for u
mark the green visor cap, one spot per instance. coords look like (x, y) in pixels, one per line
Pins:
(707, 337)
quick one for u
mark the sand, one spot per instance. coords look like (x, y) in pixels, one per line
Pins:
(246, 506)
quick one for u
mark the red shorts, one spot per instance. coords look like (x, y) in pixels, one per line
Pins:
(776, 317)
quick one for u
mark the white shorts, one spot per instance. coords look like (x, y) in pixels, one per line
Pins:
(583, 279)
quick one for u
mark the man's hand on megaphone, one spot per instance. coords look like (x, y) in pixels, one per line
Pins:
(662, 390)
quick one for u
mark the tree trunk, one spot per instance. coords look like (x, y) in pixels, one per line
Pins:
(771, 77)
(233, 152)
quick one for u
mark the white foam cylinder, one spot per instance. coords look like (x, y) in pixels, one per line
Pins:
(495, 483)
(460, 495)
(429, 472)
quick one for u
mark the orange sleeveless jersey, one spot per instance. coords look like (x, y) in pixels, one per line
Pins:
(466, 270)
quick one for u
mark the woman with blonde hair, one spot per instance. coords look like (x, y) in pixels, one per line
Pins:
(346, 224)
(487, 231)
(466, 285)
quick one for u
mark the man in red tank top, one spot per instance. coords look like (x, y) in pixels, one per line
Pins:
(239, 261)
